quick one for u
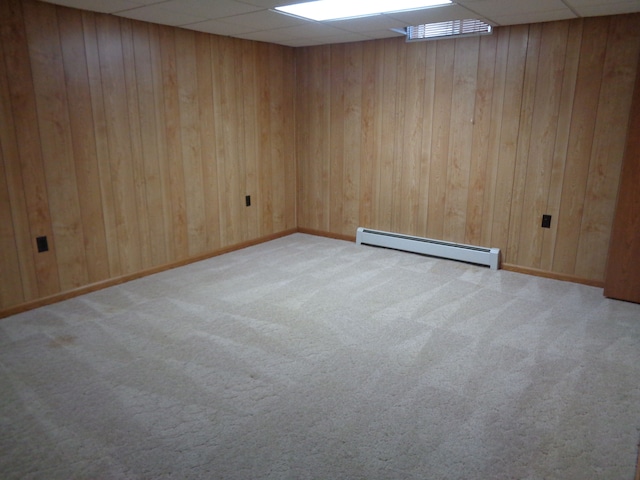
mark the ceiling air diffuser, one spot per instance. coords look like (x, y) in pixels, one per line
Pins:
(453, 28)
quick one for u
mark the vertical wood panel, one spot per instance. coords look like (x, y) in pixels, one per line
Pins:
(398, 196)
(10, 292)
(368, 135)
(208, 139)
(481, 167)
(520, 213)
(509, 132)
(352, 136)
(623, 276)
(25, 168)
(279, 140)
(174, 167)
(74, 58)
(54, 127)
(336, 135)
(102, 144)
(544, 123)
(119, 140)
(411, 147)
(14, 208)
(427, 135)
(567, 96)
(224, 80)
(267, 168)
(137, 156)
(251, 146)
(187, 77)
(388, 138)
(465, 71)
(608, 146)
(237, 169)
(165, 202)
(494, 147)
(302, 135)
(589, 79)
(286, 128)
(150, 155)
(319, 118)
(443, 91)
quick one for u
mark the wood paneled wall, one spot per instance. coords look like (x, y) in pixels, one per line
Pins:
(131, 146)
(622, 279)
(473, 140)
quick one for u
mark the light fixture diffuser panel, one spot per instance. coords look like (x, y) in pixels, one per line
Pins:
(322, 10)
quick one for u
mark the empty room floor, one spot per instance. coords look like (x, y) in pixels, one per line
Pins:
(308, 357)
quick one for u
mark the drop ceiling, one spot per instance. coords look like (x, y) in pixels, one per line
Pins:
(256, 20)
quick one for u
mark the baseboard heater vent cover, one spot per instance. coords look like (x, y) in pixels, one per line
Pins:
(427, 246)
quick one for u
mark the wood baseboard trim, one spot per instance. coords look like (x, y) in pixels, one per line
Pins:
(555, 276)
(58, 297)
(23, 307)
(505, 266)
(321, 233)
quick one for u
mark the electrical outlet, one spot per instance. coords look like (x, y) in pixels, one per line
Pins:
(546, 221)
(43, 244)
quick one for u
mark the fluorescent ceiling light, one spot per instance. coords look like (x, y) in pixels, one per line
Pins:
(338, 9)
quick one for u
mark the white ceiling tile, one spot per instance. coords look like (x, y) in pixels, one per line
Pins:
(265, 20)
(431, 15)
(156, 14)
(207, 8)
(282, 37)
(272, 3)
(362, 24)
(302, 42)
(219, 28)
(599, 3)
(102, 6)
(311, 30)
(271, 36)
(347, 37)
(382, 34)
(148, 2)
(533, 17)
(489, 8)
(615, 9)
(590, 8)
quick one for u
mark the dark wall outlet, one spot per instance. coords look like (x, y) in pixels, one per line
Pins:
(43, 244)
(546, 221)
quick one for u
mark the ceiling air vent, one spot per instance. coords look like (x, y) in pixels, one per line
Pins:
(454, 28)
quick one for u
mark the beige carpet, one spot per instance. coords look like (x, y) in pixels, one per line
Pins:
(312, 358)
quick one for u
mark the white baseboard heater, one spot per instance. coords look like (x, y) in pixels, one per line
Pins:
(427, 246)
